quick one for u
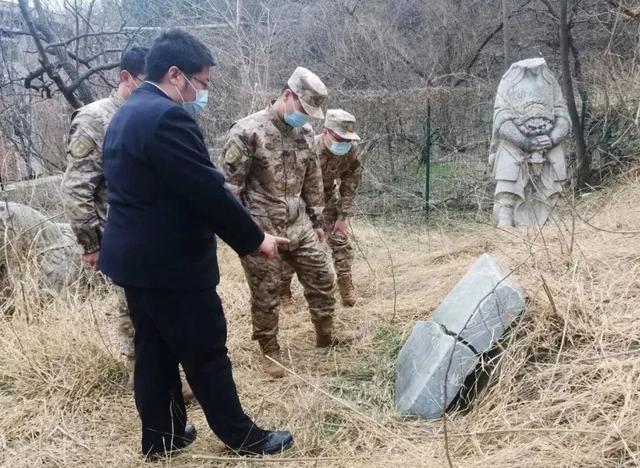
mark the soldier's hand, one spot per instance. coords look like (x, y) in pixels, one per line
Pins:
(321, 235)
(269, 247)
(341, 228)
(91, 259)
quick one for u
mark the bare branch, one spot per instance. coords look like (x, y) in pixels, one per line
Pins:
(44, 60)
(479, 50)
(13, 32)
(84, 36)
(77, 82)
(625, 10)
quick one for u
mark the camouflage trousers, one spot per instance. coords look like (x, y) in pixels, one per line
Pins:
(306, 257)
(125, 326)
(341, 248)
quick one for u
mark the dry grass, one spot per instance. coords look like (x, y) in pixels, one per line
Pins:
(566, 392)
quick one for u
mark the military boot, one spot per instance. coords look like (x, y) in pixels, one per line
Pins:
(271, 348)
(324, 333)
(326, 337)
(287, 304)
(347, 293)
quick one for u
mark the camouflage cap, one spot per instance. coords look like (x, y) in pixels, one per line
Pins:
(310, 90)
(341, 123)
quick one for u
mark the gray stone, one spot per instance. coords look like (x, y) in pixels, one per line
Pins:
(421, 368)
(29, 237)
(447, 347)
(481, 306)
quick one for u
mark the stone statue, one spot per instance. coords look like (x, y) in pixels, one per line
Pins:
(28, 236)
(527, 155)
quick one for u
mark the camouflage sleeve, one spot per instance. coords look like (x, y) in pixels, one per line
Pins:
(84, 173)
(313, 190)
(349, 182)
(236, 161)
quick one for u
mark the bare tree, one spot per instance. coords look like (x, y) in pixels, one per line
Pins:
(506, 32)
(583, 157)
(71, 49)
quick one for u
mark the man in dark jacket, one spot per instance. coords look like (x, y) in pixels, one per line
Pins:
(167, 203)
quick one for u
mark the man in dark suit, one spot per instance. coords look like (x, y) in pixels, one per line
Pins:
(167, 203)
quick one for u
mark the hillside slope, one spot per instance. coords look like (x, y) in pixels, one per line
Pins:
(566, 392)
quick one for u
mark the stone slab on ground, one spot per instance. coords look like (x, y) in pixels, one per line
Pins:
(445, 349)
(481, 306)
(421, 368)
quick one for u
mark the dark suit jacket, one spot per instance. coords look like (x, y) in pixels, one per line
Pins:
(166, 199)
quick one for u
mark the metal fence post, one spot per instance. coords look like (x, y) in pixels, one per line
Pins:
(426, 159)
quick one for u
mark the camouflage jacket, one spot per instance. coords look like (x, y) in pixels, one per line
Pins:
(83, 185)
(341, 176)
(272, 167)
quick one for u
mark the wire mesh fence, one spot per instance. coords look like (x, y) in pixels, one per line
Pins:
(425, 150)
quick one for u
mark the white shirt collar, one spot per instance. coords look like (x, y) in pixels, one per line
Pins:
(163, 91)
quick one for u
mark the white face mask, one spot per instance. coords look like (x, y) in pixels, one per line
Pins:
(136, 87)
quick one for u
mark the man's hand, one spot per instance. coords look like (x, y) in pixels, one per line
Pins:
(269, 247)
(321, 235)
(341, 228)
(91, 259)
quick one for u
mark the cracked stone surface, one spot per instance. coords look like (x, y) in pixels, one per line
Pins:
(447, 347)
(422, 366)
(481, 306)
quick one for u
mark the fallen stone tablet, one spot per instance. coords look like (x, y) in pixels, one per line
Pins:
(481, 306)
(447, 347)
(422, 366)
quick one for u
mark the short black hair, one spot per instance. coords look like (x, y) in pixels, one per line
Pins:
(177, 47)
(133, 60)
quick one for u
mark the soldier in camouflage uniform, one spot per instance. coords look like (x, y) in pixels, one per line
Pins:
(84, 187)
(271, 165)
(341, 165)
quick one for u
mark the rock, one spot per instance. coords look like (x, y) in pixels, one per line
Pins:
(448, 346)
(422, 366)
(30, 237)
(475, 311)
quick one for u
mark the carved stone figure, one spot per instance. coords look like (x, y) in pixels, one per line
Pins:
(28, 236)
(527, 156)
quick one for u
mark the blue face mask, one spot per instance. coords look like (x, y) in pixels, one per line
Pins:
(197, 106)
(295, 119)
(340, 148)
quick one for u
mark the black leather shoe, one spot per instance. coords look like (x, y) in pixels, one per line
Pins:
(269, 443)
(179, 443)
(190, 435)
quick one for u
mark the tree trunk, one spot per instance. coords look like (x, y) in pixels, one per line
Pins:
(506, 32)
(583, 158)
(84, 92)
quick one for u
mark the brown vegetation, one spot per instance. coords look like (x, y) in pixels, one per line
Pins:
(566, 392)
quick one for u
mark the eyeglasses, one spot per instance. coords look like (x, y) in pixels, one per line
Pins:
(205, 85)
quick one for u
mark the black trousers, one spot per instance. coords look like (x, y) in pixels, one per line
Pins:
(186, 327)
